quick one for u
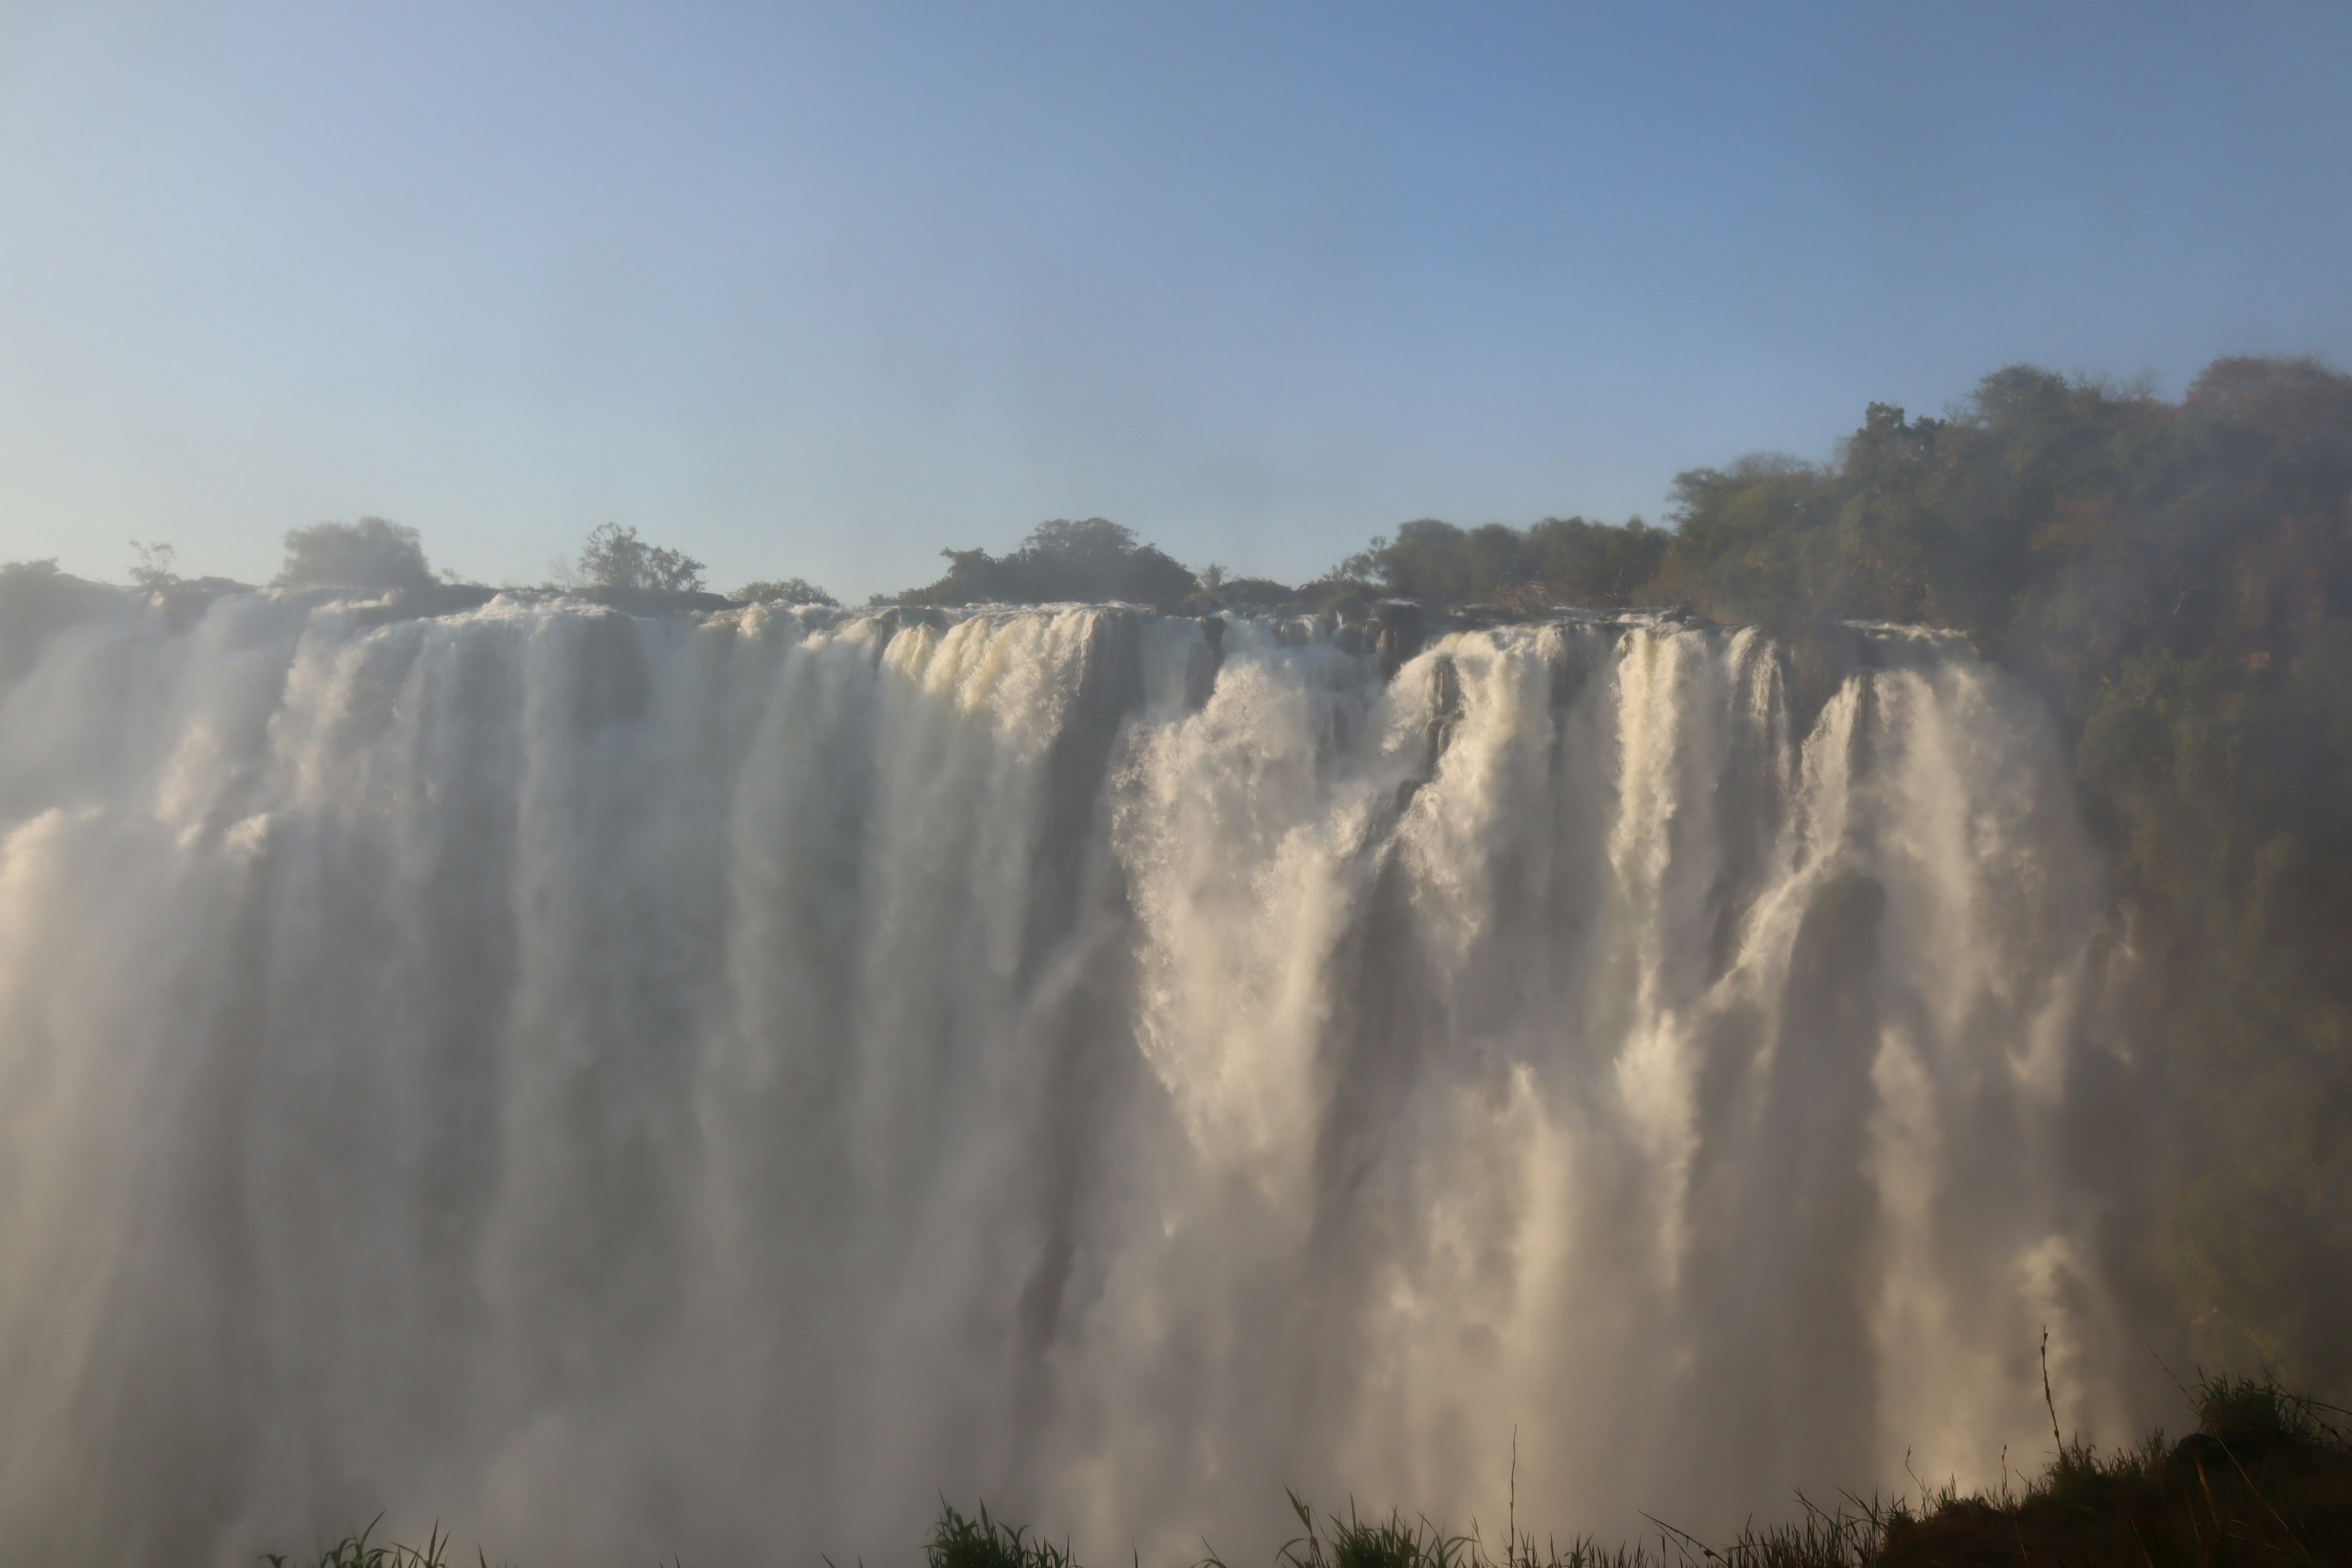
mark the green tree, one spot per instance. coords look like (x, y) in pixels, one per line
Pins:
(369, 554)
(789, 590)
(615, 557)
(1092, 561)
(153, 567)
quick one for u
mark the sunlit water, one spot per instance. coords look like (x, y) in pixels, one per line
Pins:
(628, 1086)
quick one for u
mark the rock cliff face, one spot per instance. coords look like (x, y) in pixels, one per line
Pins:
(638, 1083)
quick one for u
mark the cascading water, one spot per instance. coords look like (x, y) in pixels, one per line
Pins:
(631, 1085)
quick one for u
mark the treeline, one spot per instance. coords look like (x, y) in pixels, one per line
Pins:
(1558, 562)
(376, 556)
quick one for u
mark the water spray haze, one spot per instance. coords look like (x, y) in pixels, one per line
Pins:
(620, 1082)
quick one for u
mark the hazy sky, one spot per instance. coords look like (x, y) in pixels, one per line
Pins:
(818, 289)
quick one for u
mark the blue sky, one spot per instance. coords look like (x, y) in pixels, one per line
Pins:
(819, 290)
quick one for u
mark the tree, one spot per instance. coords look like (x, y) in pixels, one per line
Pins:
(1089, 561)
(1582, 563)
(791, 591)
(1255, 593)
(1559, 561)
(154, 570)
(615, 557)
(369, 554)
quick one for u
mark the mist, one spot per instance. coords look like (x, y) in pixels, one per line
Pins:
(626, 1084)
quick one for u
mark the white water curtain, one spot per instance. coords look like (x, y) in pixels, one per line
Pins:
(625, 1087)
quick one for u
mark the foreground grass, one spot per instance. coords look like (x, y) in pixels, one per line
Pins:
(2265, 1480)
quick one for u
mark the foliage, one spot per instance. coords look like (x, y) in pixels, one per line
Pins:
(1090, 560)
(369, 554)
(363, 1550)
(2178, 580)
(1253, 593)
(1358, 1542)
(615, 557)
(789, 590)
(983, 1542)
(181, 599)
(2266, 1478)
(155, 567)
(1559, 561)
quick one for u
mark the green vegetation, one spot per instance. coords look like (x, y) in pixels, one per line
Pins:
(155, 568)
(369, 554)
(789, 590)
(983, 1542)
(1558, 561)
(615, 557)
(363, 1550)
(2266, 1479)
(1093, 561)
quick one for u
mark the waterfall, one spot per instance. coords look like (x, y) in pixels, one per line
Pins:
(626, 1085)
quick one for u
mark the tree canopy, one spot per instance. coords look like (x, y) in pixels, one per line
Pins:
(369, 554)
(789, 591)
(615, 557)
(1093, 561)
(1559, 561)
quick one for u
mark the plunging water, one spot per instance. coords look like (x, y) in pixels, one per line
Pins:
(626, 1085)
